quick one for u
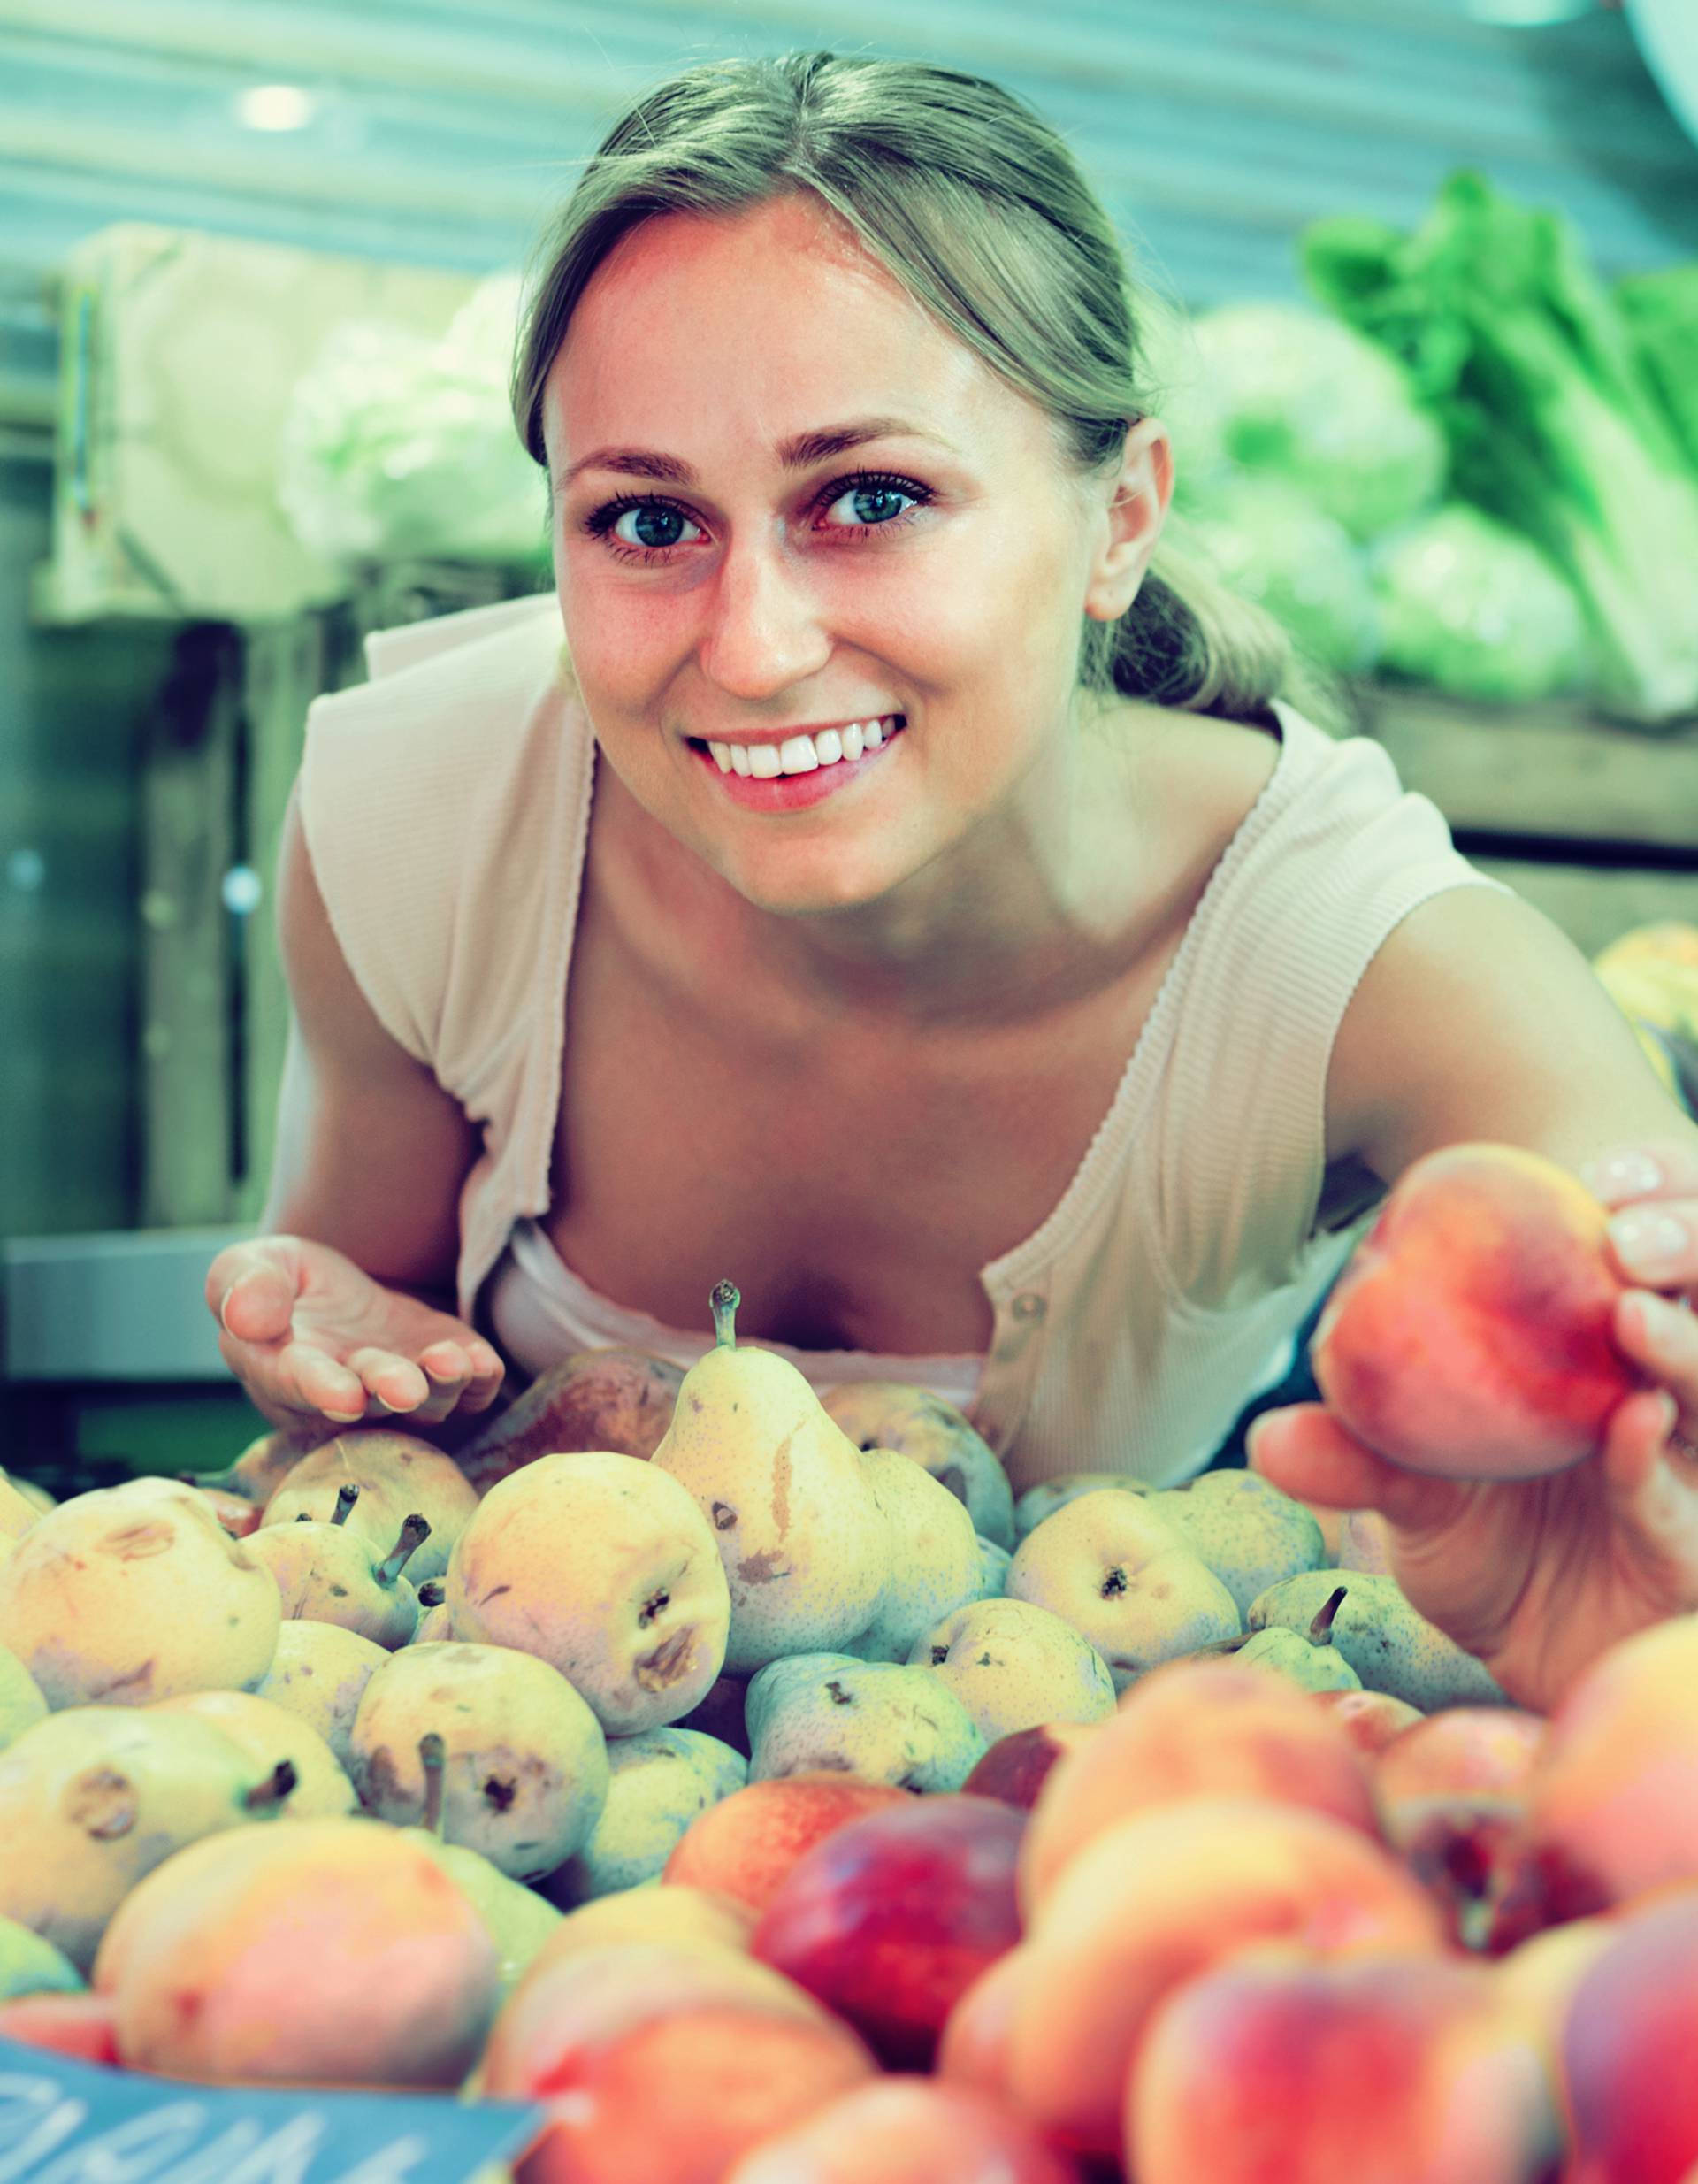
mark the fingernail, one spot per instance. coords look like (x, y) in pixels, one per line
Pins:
(1648, 1241)
(1620, 1175)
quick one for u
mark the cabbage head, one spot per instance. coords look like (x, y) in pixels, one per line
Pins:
(1270, 544)
(1475, 608)
(1304, 399)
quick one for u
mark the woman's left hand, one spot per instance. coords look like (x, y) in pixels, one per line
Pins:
(1538, 1576)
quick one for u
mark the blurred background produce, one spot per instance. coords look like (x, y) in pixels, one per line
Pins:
(1427, 343)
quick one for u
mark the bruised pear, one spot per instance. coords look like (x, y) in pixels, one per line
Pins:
(519, 1920)
(525, 1762)
(93, 1799)
(603, 1567)
(319, 1674)
(920, 1424)
(798, 1527)
(330, 1574)
(133, 1593)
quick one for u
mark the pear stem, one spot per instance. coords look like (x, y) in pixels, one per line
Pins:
(1320, 1630)
(725, 1301)
(433, 1759)
(272, 1791)
(346, 1498)
(433, 1592)
(413, 1532)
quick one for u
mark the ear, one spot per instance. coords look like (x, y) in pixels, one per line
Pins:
(1133, 521)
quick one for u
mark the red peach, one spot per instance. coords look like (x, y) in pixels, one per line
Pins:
(662, 2063)
(1162, 1896)
(745, 1845)
(1470, 1334)
(1194, 1727)
(1370, 1719)
(1612, 1805)
(1459, 1751)
(973, 2048)
(907, 2131)
(83, 2026)
(891, 1917)
(1016, 1767)
(1627, 2045)
(1382, 2070)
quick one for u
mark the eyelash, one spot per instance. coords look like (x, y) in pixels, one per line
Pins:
(600, 523)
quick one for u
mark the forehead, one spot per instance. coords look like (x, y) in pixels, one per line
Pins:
(756, 322)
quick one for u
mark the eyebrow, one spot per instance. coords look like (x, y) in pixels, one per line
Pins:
(797, 454)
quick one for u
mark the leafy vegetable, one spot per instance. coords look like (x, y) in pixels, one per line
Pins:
(1474, 608)
(1530, 370)
(1300, 398)
(1265, 541)
(1662, 311)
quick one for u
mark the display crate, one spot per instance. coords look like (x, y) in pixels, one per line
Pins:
(1593, 823)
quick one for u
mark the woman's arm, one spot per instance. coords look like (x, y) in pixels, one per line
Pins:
(1478, 1020)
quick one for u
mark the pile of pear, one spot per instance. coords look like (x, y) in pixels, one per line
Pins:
(301, 1768)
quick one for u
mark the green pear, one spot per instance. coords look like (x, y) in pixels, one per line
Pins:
(602, 1565)
(519, 1920)
(661, 1780)
(267, 1733)
(994, 1565)
(1014, 1666)
(1049, 1495)
(31, 1965)
(880, 1721)
(791, 1509)
(397, 1474)
(436, 1617)
(94, 1798)
(328, 1574)
(1120, 1571)
(942, 1440)
(1309, 1658)
(526, 1763)
(932, 1556)
(133, 1593)
(1248, 1532)
(319, 1673)
(1389, 1645)
(20, 1698)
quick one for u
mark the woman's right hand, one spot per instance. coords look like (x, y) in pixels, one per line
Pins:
(315, 1341)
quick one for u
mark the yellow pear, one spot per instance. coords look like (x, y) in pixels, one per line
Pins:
(397, 1474)
(133, 1593)
(267, 1733)
(319, 1673)
(798, 1527)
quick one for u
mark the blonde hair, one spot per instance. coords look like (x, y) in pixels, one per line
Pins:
(970, 200)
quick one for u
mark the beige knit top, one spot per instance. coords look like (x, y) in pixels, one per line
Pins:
(445, 804)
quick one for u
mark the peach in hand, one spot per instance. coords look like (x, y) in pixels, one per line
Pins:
(1470, 1335)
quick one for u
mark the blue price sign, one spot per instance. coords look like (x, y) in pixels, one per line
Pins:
(65, 2122)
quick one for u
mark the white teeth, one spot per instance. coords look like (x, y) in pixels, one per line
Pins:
(801, 754)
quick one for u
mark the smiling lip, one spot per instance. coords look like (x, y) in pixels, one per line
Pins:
(796, 791)
(804, 728)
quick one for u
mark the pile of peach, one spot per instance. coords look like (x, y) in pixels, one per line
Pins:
(1236, 1933)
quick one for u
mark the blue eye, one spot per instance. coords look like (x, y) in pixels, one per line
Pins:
(864, 485)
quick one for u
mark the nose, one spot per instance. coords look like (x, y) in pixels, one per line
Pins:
(763, 634)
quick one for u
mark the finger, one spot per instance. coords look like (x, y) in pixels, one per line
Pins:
(1655, 1241)
(1661, 1167)
(258, 1303)
(1661, 1338)
(395, 1380)
(1635, 1440)
(480, 1370)
(1303, 1451)
(317, 1383)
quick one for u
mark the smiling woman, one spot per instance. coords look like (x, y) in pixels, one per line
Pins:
(913, 891)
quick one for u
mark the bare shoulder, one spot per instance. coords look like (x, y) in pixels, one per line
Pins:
(1478, 1018)
(1200, 777)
